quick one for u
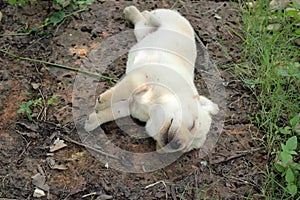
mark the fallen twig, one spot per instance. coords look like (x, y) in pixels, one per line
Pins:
(235, 156)
(153, 184)
(89, 147)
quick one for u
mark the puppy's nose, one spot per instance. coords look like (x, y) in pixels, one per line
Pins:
(175, 144)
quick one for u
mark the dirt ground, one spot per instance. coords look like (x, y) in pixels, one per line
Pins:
(231, 170)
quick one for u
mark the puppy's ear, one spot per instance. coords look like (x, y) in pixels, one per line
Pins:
(91, 122)
(158, 122)
(142, 94)
(208, 105)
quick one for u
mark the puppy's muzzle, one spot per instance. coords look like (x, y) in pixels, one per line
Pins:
(175, 144)
(169, 138)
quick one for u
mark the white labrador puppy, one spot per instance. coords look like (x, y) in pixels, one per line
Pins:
(158, 87)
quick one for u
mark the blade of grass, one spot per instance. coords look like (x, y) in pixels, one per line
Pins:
(112, 80)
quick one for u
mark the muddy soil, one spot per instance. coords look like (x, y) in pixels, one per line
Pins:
(231, 170)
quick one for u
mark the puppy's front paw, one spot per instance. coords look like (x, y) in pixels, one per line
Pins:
(103, 101)
(92, 122)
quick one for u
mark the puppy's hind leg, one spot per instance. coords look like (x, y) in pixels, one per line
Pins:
(143, 24)
(134, 15)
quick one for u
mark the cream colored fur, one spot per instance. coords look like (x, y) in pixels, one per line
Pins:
(158, 87)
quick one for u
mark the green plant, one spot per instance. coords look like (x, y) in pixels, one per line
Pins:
(286, 162)
(58, 17)
(27, 107)
(287, 166)
(51, 101)
(289, 130)
(17, 2)
(270, 67)
(72, 4)
(291, 71)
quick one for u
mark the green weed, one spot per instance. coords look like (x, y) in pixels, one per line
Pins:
(66, 9)
(17, 2)
(28, 107)
(287, 166)
(72, 4)
(271, 69)
(52, 100)
(287, 163)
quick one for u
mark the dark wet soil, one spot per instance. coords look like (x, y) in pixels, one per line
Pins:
(231, 170)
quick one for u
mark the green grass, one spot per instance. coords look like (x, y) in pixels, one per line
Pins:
(57, 18)
(270, 67)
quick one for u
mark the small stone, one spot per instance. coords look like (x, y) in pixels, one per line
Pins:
(273, 19)
(106, 165)
(64, 3)
(104, 197)
(4, 74)
(251, 4)
(297, 41)
(35, 85)
(218, 17)
(204, 163)
(277, 4)
(38, 193)
(273, 27)
(1, 15)
(297, 127)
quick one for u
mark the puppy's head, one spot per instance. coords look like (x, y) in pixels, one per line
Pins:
(187, 129)
(175, 138)
(178, 122)
(191, 132)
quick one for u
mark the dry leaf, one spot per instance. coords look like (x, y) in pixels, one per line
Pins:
(58, 144)
(35, 85)
(39, 180)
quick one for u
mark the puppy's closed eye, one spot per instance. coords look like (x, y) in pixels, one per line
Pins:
(99, 99)
(165, 136)
(193, 126)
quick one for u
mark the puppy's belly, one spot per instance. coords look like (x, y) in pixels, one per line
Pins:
(165, 47)
(173, 61)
